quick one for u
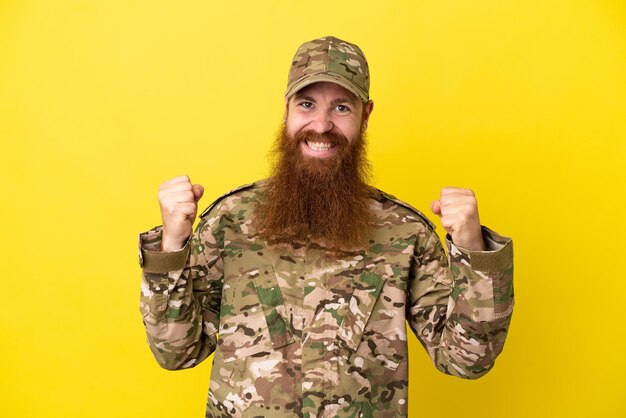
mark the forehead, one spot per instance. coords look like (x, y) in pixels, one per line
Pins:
(327, 90)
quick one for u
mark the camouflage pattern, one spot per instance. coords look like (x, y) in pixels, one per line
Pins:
(299, 334)
(330, 59)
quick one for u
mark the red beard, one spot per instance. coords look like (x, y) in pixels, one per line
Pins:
(323, 200)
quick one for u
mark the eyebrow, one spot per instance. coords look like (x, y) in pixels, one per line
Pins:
(343, 100)
(337, 101)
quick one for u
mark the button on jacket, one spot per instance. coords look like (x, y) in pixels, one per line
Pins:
(298, 332)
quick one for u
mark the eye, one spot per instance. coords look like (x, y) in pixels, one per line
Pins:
(306, 105)
(342, 108)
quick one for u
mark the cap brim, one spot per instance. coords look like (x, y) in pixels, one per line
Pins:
(331, 78)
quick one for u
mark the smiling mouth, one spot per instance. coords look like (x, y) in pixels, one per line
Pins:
(319, 146)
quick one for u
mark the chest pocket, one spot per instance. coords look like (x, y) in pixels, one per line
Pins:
(359, 309)
(252, 315)
(271, 299)
(372, 328)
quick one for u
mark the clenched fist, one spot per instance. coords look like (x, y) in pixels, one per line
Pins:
(178, 199)
(458, 210)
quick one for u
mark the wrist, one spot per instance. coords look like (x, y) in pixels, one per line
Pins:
(171, 244)
(478, 245)
(474, 243)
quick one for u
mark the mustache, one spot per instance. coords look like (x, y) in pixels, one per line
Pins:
(332, 138)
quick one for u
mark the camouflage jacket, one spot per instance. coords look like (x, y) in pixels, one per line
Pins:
(298, 334)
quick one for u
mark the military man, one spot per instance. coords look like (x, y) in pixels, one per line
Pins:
(302, 283)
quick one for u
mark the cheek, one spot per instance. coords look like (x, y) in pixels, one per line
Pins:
(293, 125)
(350, 131)
(291, 131)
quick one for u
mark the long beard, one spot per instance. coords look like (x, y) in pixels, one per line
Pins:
(319, 200)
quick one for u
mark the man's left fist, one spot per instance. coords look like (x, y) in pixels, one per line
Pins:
(458, 210)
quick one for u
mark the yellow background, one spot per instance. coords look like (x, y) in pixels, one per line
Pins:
(101, 101)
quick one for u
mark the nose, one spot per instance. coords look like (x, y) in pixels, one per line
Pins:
(322, 122)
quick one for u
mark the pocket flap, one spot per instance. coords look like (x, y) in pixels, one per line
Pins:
(271, 300)
(360, 307)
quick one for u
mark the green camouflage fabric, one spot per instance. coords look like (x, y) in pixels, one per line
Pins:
(330, 59)
(299, 334)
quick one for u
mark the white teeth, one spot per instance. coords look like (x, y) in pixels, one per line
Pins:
(319, 146)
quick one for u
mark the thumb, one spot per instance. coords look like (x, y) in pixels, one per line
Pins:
(435, 206)
(198, 191)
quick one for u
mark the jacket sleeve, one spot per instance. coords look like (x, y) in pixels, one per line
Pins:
(460, 305)
(181, 295)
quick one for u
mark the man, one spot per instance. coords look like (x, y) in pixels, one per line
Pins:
(302, 284)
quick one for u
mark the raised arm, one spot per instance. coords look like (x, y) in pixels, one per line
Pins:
(181, 288)
(461, 304)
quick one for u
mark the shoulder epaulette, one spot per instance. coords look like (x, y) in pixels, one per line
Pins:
(233, 191)
(406, 205)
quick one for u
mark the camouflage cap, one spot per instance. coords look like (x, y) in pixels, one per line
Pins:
(333, 60)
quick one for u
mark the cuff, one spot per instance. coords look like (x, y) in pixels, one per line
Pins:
(497, 256)
(152, 260)
(485, 278)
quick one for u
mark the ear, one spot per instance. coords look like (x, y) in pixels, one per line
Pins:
(368, 108)
(286, 110)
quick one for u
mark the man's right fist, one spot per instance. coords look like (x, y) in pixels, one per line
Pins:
(178, 200)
